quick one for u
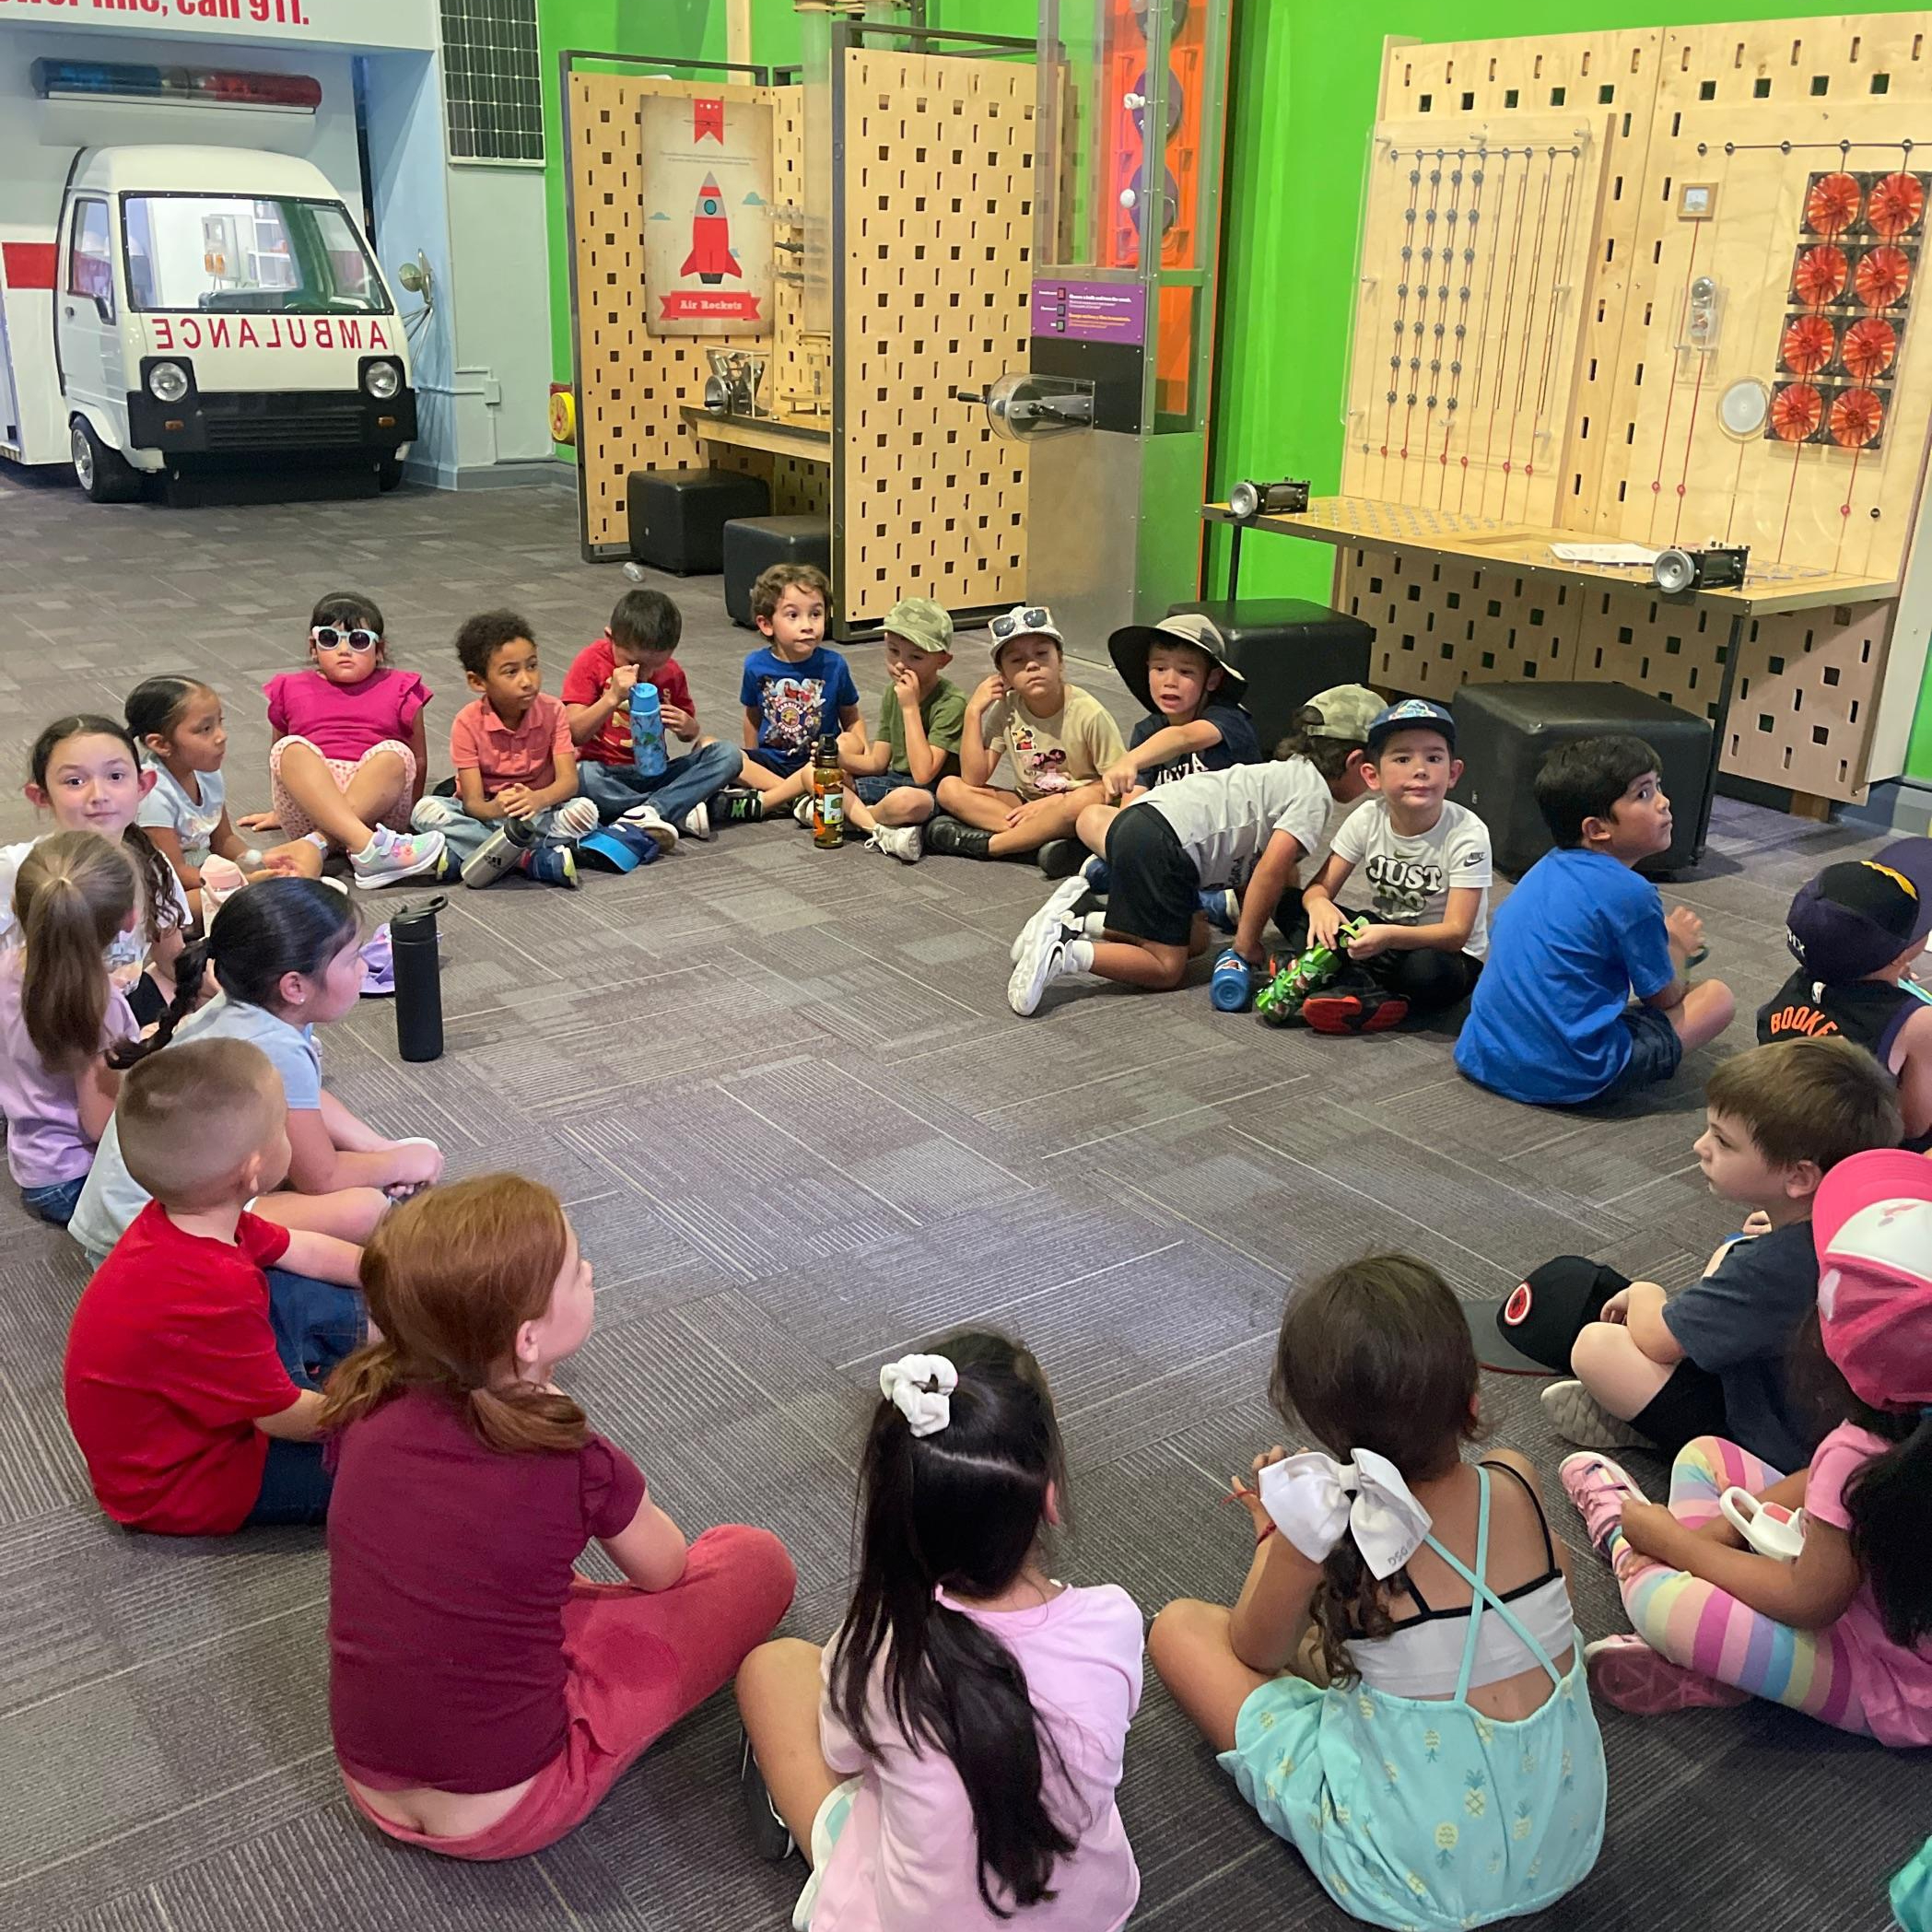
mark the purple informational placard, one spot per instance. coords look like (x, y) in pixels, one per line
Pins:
(1091, 311)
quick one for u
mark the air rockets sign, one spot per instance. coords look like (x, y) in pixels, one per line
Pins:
(707, 215)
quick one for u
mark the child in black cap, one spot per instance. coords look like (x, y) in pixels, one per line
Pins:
(1855, 930)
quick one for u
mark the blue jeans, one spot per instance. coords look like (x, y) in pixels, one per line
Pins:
(316, 1324)
(55, 1203)
(294, 1486)
(684, 782)
(464, 836)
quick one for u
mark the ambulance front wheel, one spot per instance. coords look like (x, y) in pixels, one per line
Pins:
(389, 473)
(104, 474)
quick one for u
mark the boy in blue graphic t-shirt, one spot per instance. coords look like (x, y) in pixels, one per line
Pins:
(794, 691)
(1551, 1022)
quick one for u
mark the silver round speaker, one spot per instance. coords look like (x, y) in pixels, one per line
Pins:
(1674, 570)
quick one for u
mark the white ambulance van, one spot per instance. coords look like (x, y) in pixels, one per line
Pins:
(199, 307)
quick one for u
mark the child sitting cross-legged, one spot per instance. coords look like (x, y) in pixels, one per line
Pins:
(1172, 856)
(1397, 1690)
(949, 1759)
(1855, 930)
(638, 646)
(1713, 1361)
(1551, 1022)
(1425, 862)
(795, 690)
(483, 1695)
(197, 1348)
(1842, 1630)
(517, 806)
(1058, 738)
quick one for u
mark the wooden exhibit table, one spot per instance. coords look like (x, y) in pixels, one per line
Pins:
(808, 437)
(1342, 522)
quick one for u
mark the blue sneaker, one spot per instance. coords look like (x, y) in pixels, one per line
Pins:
(551, 863)
(1095, 873)
(1223, 909)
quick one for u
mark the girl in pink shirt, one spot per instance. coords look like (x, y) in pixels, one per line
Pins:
(951, 1756)
(349, 756)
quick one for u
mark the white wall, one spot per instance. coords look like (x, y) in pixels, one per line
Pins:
(496, 225)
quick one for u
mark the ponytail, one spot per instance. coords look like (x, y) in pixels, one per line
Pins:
(72, 895)
(189, 968)
(161, 906)
(513, 1418)
(1890, 1503)
(960, 1509)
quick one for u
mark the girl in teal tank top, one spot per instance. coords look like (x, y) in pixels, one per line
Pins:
(1399, 1690)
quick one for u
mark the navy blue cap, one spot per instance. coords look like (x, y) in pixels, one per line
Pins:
(1413, 714)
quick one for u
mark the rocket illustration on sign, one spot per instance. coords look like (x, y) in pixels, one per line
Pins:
(710, 258)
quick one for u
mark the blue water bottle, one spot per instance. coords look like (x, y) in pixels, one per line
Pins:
(647, 729)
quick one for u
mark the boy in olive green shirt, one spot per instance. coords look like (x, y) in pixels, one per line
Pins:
(890, 780)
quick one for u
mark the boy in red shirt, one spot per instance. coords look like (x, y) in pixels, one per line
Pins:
(638, 643)
(193, 1360)
(516, 806)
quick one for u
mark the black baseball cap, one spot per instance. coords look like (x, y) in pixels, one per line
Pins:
(1862, 913)
(1413, 714)
(1532, 1329)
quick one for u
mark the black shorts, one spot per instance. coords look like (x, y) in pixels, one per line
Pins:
(1153, 888)
(1656, 1050)
(1689, 1405)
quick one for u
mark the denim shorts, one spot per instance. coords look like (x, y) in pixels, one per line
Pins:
(872, 790)
(1656, 1050)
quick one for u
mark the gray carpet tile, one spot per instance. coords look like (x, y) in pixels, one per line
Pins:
(799, 1131)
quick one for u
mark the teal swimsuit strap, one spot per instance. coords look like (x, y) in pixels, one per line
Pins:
(1482, 1598)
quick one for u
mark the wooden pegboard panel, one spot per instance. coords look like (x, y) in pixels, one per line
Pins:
(931, 295)
(1610, 76)
(800, 376)
(630, 384)
(1478, 239)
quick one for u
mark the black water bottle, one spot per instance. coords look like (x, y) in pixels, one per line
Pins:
(419, 990)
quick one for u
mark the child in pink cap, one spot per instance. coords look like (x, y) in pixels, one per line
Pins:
(1843, 1632)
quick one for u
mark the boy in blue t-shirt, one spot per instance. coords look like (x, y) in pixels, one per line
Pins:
(794, 691)
(1551, 1022)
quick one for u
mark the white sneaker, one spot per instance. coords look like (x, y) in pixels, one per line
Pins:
(1047, 957)
(576, 819)
(644, 819)
(395, 855)
(803, 809)
(1061, 900)
(902, 841)
(698, 823)
(1577, 1416)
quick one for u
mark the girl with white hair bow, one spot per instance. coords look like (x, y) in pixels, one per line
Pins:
(1399, 1690)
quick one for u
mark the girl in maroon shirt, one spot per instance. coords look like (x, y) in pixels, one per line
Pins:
(483, 1696)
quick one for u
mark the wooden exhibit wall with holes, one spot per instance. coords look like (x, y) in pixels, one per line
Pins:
(630, 383)
(931, 295)
(1638, 451)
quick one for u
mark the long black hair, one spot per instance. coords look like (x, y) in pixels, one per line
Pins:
(161, 906)
(274, 927)
(961, 1510)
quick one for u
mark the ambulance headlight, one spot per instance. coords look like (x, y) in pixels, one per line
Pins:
(167, 381)
(382, 379)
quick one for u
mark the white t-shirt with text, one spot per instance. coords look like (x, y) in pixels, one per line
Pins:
(1407, 879)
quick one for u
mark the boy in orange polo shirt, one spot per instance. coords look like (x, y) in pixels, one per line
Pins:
(517, 805)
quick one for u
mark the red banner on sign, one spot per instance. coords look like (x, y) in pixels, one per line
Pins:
(707, 118)
(690, 304)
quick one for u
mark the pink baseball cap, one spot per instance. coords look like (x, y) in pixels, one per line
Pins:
(1872, 1224)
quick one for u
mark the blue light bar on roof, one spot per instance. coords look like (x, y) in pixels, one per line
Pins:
(175, 87)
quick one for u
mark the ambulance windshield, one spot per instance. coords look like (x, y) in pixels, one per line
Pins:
(233, 255)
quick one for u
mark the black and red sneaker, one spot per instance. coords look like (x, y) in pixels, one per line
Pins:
(1367, 1010)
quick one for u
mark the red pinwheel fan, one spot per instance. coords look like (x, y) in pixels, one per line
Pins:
(1871, 346)
(1831, 204)
(1820, 274)
(1809, 341)
(1857, 416)
(1796, 410)
(1883, 276)
(1897, 203)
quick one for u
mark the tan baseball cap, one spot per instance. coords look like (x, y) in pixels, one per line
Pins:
(926, 625)
(1346, 711)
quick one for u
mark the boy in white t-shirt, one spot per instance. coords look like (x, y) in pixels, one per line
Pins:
(1190, 836)
(1425, 867)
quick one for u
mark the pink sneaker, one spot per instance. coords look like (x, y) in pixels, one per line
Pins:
(1599, 1488)
(1626, 1672)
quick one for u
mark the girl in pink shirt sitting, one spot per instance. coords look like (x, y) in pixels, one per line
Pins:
(349, 755)
(951, 1758)
(1843, 1631)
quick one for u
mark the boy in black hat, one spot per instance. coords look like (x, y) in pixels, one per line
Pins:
(1425, 866)
(1855, 930)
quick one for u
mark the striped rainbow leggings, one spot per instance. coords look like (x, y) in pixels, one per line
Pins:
(1707, 1630)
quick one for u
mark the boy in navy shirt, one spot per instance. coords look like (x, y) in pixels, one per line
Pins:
(794, 691)
(1551, 1023)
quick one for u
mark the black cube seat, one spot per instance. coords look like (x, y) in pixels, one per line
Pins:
(677, 517)
(753, 544)
(1503, 731)
(1287, 649)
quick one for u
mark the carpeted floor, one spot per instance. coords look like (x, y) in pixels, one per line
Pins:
(799, 1131)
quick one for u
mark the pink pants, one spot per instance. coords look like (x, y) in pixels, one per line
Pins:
(296, 823)
(638, 1661)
